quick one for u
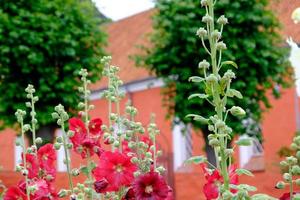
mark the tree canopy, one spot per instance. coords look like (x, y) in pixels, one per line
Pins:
(46, 43)
(252, 41)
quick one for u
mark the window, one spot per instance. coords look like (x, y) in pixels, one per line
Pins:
(182, 144)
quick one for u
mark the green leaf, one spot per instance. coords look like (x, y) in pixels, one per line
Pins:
(234, 93)
(198, 118)
(84, 170)
(230, 63)
(196, 160)
(244, 142)
(246, 187)
(201, 96)
(196, 79)
(243, 172)
(262, 197)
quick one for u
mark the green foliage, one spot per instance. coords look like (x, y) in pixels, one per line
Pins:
(252, 40)
(46, 43)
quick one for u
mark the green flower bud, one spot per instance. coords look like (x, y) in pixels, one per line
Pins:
(39, 140)
(201, 32)
(222, 20)
(69, 145)
(284, 164)
(280, 185)
(204, 2)
(207, 19)
(203, 64)
(59, 139)
(298, 154)
(57, 146)
(211, 78)
(216, 34)
(291, 160)
(221, 46)
(237, 111)
(62, 193)
(296, 170)
(214, 142)
(70, 133)
(287, 177)
(227, 195)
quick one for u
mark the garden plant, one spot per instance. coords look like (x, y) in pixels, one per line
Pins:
(126, 152)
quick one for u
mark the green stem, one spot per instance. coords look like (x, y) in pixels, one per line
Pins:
(24, 161)
(33, 123)
(291, 184)
(67, 157)
(217, 99)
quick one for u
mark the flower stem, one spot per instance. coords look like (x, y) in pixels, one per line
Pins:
(67, 157)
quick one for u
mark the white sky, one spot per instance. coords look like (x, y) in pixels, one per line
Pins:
(118, 9)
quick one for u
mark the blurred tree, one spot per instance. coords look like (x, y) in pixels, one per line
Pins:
(45, 43)
(253, 43)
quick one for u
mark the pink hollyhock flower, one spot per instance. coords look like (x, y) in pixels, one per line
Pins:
(14, 193)
(47, 157)
(211, 189)
(150, 186)
(116, 168)
(84, 144)
(32, 165)
(42, 189)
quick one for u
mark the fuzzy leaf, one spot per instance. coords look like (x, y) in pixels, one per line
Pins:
(196, 79)
(243, 171)
(198, 118)
(234, 93)
(201, 96)
(196, 160)
(262, 197)
(244, 142)
(230, 63)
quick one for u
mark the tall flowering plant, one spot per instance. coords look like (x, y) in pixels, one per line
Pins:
(125, 151)
(222, 179)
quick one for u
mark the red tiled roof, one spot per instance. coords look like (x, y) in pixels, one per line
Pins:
(123, 38)
(126, 34)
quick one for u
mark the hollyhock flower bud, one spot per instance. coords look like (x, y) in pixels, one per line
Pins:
(237, 111)
(201, 32)
(292, 160)
(70, 133)
(280, 185)
(204, 2)
(214, 142)
(221, 46)
(284, 164)
(100, 185)
(75, 172)
(203, 64)
(296, 170)
(227, 195)
(212, 78)
(287, 177)
(57, 146)
(207, 19)
(216, 34)
(24, 172)
(298, 154)
(222, 20)
(39, 140)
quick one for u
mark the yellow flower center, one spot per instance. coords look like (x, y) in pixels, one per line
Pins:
(149, 189)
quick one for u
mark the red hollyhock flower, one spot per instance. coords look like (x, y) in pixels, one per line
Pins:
(32, 165)
(116, 168)
(95, 126)
(47, 157)
(130, 195)
(43, 191)
(211, 189)
(84, 144)
(286, 196)
(14, 193)
(100, 185)
(150, 186)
